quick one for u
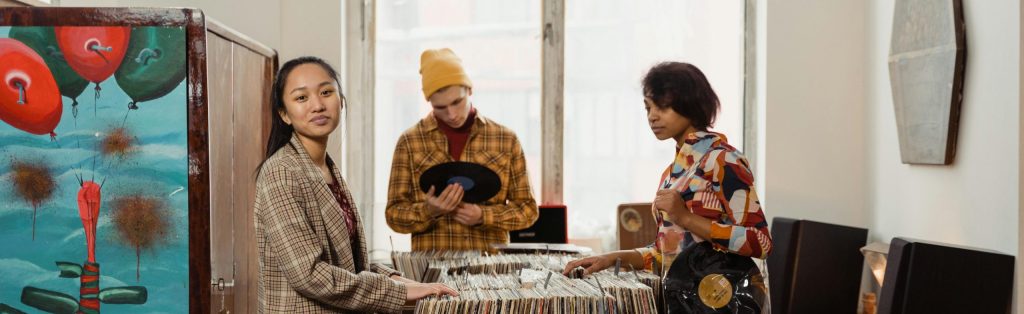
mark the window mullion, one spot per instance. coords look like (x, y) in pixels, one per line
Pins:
(359, 93)
(552, 92)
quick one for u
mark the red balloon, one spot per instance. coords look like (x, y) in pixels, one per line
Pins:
(94, 52)
(29, 98)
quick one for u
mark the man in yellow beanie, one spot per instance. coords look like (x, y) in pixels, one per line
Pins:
(455, 131)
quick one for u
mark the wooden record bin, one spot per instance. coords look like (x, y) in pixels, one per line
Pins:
(218, 134)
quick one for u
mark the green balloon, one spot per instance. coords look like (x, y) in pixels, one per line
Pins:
(48, 301)
(7, 309)
(44, 41)
(124, 295)
(154, 64)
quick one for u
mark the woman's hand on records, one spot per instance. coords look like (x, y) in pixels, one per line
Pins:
(402, 279)
(416, 291)
(590, 264)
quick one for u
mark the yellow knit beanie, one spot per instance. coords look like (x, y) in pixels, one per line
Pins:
(441, 68)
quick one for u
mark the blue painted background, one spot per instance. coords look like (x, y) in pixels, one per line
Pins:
(159, 168)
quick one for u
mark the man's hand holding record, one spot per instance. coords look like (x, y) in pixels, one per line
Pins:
(476, 182)
(444, 202)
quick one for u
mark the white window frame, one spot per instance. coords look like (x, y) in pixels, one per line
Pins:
(358, 77)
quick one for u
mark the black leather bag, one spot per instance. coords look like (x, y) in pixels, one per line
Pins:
(704, 280)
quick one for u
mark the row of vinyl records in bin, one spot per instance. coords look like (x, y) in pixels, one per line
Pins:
(527, 283)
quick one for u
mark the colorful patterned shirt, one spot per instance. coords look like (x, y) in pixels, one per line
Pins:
(720, 188)
(491, 145)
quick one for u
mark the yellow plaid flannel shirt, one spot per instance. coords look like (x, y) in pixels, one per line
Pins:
(490, 144)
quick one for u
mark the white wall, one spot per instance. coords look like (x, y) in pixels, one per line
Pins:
(258, 19)
(293, 28)
(830, 143)
(974, 201)
(814, 133)
(831, 149)
(314, 28)
(1020, 178)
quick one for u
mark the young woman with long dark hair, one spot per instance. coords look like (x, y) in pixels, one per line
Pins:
(312, 250)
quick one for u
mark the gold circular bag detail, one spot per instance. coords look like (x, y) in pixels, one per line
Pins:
(715, 291)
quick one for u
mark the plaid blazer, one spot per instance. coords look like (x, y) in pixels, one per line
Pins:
(489, 144)
(305, 257)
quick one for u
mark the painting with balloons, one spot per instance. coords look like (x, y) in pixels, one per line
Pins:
(93, 170)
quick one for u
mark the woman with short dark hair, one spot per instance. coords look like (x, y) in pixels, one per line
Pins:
(711, 223)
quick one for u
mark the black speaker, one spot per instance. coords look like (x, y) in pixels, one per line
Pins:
(815, 267)
(551, 227)
(929, 277)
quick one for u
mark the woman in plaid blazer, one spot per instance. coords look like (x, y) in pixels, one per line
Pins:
(312, 251)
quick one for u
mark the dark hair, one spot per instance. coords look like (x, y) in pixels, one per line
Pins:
(683, 87)
(280, 132)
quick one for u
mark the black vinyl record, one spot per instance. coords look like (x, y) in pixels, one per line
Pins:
(479, 182)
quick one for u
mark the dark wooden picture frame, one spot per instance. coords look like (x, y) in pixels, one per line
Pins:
(198, 151)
